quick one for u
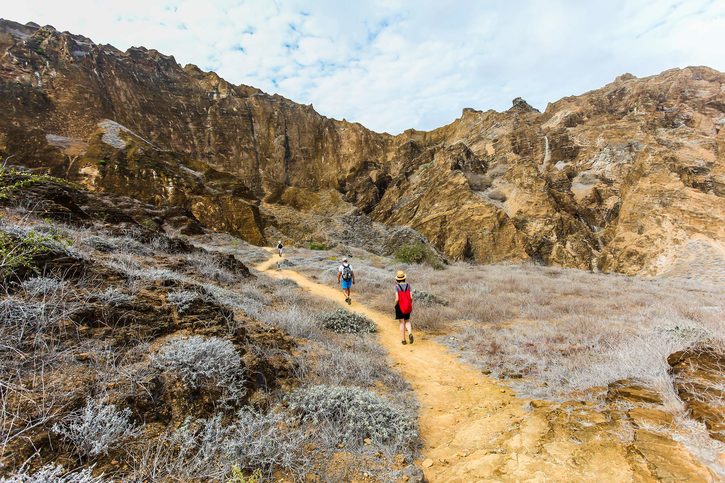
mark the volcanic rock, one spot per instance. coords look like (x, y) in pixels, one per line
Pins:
(628, 178)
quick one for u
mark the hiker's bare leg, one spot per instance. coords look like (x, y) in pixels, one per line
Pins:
(402, 329)
(408, 326)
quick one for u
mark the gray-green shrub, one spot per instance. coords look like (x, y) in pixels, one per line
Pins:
(198, 361)
(182, 299)
(418, 252)
(53, 473)
(344, 322)
(207, 449)
(113, 296)
(428, 299)
(40, 286)
(97, 428)
(356, 414)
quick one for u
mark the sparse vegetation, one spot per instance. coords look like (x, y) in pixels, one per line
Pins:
(200, 362)
(105, 243)
(156, 330)
(427, 299)
(418, 253)
(53, 473)
(496, 195)
(478, 182)
(318, 246)
(96, 429)
(357, 361)
(344, 322)
(114, 296)
(12, 180)
(42, 286)
(182, 299)
(562, 329)
(355, 414)
(18, 252)
(209, 449)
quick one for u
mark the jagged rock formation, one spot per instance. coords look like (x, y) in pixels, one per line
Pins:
(699, 380)
(624, 178)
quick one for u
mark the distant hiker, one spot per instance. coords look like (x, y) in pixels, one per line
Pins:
(403, 306)
(346, 279)
(280, 247)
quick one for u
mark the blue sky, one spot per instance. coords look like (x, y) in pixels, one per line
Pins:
(393, 65)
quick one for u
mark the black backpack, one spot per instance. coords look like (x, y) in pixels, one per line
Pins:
(346, 272)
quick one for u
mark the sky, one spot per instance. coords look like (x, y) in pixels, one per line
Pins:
(393, 65)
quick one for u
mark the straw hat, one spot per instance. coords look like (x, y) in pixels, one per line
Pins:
(400, 276)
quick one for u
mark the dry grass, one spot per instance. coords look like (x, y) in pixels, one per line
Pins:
(555, 333)
(565, 329)
(31, 355)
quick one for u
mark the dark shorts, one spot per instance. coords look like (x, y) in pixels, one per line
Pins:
(400, 315)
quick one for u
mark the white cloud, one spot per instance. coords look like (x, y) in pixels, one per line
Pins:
(395, 65)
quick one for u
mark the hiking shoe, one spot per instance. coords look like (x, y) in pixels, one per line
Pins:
(403, 342)
(410, 338)
(349, 301)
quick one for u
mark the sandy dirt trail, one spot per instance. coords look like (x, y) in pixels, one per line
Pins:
(474, 429)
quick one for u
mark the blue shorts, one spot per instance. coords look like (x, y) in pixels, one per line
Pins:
(345, 284)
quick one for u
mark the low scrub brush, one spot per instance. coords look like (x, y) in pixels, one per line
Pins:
(41, 286)
(97, 428)
(428, 299)
(113, 296)
(356, 414)
(183, 299)
(198, 362)
(55, 473)
(344, 322)
(418, 253)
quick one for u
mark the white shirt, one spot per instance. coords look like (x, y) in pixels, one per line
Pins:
(341, 267)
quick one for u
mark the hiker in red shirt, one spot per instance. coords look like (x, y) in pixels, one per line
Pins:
(403, 306)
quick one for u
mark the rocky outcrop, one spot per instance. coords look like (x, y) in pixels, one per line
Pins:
(623, 178)
(699, 379)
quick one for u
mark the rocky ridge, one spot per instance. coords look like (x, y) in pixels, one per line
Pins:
(627, 178)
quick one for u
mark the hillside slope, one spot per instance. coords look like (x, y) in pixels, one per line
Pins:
(626, 178)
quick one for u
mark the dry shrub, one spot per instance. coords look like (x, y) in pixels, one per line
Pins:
(209, 449)
(356, 414)
(343, 322)
(430, 319)
(96, 429)
(204, 363)
(567, 329)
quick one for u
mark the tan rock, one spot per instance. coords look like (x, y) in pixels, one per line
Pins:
(699, 381)
(628, 178)
(669, 460)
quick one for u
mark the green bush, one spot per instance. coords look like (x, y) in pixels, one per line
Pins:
(18, 252)
(418, 252)
(12, 179)
(318, 246)
(344, 322)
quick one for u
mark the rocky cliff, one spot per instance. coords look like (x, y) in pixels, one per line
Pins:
(626, 178)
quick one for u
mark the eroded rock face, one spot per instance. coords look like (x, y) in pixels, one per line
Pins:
(699, 378)
(626, 178)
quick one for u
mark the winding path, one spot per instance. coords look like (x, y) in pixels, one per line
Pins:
(474, 429)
